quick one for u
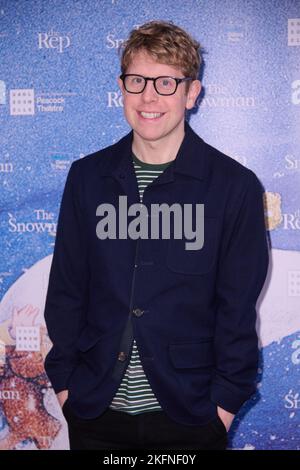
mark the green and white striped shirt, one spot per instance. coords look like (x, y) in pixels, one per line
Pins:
(135, 395)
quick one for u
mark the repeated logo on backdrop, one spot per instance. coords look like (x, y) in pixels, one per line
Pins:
(62, 102)
(294, 31)
(54, 40)
(23, 102)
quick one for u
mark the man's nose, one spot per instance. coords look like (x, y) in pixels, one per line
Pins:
(149, 93)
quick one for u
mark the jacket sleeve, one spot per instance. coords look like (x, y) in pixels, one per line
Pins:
(66, 297)
(242, 270)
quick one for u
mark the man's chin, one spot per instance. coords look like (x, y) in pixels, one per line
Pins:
(149, 136)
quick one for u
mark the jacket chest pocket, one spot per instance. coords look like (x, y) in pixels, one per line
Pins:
(201, 261)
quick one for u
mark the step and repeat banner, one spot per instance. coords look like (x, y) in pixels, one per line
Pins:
(59, 101)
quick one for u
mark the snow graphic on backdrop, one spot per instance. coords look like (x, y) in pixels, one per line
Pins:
(262, 426)
(279, 312)
(274, 422)
(30, 417)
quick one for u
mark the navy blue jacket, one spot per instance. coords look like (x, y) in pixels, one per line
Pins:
(192, 313)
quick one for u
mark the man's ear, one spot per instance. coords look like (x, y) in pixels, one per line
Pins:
(193, 93)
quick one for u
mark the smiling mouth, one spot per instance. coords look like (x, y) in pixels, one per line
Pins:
(150, 115)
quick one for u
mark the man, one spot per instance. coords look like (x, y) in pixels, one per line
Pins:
(154, 343)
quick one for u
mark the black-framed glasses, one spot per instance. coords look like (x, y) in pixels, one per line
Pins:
(164, 85)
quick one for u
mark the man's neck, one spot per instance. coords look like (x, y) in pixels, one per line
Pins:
(156, 152)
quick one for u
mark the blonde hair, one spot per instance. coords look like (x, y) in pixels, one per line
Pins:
(166, 43)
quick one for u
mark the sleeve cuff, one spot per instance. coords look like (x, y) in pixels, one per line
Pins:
(59, 382)
(229, 397)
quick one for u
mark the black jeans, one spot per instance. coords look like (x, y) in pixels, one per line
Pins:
(150, 430)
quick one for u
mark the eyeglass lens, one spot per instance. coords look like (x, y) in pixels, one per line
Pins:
(164, 85)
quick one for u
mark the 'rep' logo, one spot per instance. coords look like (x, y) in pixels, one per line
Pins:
(54, 40)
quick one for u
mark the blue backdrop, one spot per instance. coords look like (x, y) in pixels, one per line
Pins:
(59, 101)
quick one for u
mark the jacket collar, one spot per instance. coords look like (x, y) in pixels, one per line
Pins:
(190, 160)
(191, 156)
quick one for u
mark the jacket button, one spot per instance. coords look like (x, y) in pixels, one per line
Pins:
(138, 312)
(122, 356)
